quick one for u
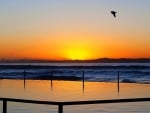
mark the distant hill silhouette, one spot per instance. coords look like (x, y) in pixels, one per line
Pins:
(124, 60)
(100, 60)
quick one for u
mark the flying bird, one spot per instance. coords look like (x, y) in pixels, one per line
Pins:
(114, 13)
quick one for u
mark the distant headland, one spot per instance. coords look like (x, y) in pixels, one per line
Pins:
(100, 60)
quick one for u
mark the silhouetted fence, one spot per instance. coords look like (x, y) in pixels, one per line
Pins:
(62, 104)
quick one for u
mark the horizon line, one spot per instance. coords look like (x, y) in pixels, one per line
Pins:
(105, 59)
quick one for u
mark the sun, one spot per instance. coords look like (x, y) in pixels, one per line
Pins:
(77, 54)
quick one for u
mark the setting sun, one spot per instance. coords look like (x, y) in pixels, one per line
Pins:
(77, 54)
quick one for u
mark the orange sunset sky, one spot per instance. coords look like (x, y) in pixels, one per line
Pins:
(74, 29)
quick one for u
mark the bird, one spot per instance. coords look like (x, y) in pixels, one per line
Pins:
(114, 13)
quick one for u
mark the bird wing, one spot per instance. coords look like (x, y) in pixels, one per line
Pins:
(113, 13)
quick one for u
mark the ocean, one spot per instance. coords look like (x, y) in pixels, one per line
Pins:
(100, 72)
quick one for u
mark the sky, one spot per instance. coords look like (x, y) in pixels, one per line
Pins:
(74, 29)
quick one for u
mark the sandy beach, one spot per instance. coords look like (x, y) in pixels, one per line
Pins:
(73, 91)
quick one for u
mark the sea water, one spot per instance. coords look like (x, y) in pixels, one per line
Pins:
(102, 72)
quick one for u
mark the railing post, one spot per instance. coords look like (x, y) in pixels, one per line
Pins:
(83, 78)
(4, 106)
(24, 78)
(51, 77)
(60, 108)
(118, 77)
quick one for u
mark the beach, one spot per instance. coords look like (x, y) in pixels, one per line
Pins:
(61, 82)
(73, 91)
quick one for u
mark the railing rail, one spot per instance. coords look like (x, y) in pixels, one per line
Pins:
(61, 104)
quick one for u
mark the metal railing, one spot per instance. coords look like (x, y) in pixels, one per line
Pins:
(62, 104)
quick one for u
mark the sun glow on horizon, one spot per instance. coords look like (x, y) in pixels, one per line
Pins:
(77, 54)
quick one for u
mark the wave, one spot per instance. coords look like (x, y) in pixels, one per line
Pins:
(77, 78)
(128, 81)
(102, 73)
